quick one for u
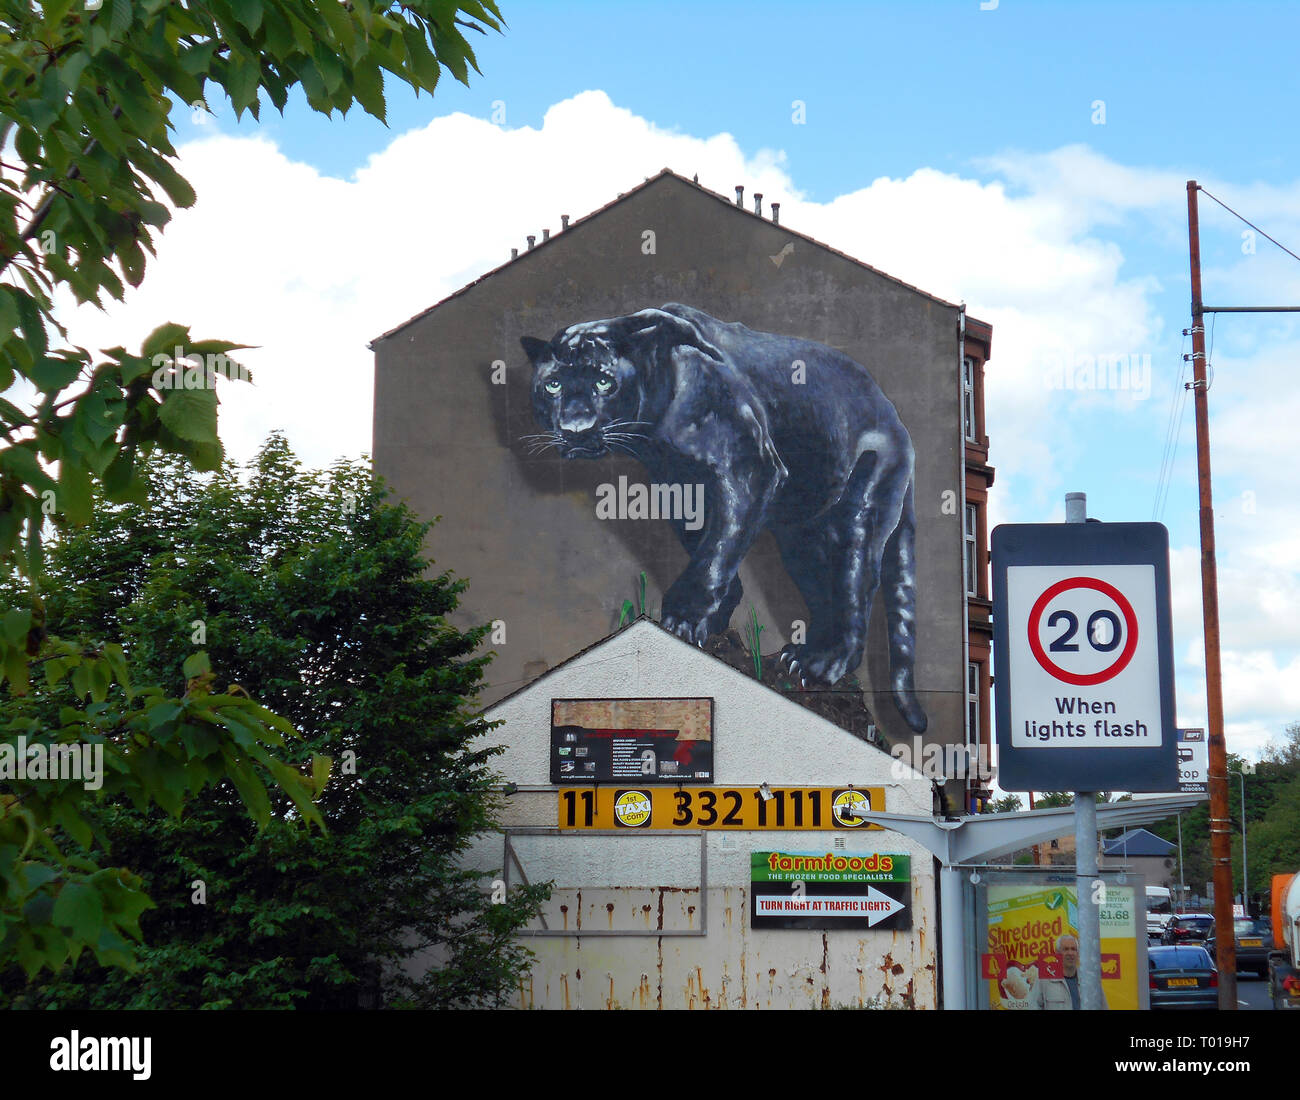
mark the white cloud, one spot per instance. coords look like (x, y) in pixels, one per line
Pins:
(311, 268)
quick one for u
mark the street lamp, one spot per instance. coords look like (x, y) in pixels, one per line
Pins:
(1245, 893)
(1182, 886)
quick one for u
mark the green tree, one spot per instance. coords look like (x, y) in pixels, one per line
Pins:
(1053, 799)
(1007, 805)
(1272, 814)
(311, 591)
(85, 98)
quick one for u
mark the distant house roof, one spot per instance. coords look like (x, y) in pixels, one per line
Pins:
(1138, 842)
(979, 329)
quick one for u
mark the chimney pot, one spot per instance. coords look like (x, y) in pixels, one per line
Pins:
(546, 234)
(531, 241)
(514, 253)
(740, 196)
(758, 203)
(776, 213)
(564, 221)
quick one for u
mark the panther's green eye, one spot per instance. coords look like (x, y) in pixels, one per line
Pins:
(604, 386)
(552, 387)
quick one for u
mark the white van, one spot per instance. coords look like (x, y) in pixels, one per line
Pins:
(1160, 907)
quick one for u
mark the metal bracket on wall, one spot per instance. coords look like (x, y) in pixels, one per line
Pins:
(510, 856)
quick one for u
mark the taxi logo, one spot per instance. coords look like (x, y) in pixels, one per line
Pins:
(632, 809)
(844, 801)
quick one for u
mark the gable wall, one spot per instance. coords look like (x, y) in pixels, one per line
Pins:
(641, 883)
(524, 530)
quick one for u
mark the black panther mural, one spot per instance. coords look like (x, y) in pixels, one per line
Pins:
(784, 434)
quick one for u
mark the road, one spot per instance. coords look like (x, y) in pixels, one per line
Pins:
(1252, 991)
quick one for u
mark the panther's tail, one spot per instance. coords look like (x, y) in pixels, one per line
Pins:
(898, 582)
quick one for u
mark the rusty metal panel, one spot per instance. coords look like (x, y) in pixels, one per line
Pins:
(733, 966)
(678, 861)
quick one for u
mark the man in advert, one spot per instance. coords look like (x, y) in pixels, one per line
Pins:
(1062, 992)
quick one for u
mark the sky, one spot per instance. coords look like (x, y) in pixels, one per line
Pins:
(1028, 159)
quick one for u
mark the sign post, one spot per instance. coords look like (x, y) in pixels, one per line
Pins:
(1085, 820)
(1083, 655)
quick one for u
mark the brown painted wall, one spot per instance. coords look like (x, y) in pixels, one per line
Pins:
(524, 530)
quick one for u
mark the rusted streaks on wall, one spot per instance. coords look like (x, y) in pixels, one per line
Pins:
(659, 994)
(642, 965)
(825, 969)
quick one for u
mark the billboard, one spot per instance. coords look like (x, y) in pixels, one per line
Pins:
(745, 808)
(830, 890)
(640, 740)
(1032, 950)
(766, 458)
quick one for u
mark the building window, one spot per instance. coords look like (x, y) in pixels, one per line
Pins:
(972, 561)
(973, 702)
(968, 399)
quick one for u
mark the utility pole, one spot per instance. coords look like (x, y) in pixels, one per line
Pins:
(1220, 826)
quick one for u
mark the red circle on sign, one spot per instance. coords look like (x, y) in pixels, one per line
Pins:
(1130, 624)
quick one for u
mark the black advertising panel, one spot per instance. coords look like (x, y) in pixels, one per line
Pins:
(632, 740)
(1083, 657)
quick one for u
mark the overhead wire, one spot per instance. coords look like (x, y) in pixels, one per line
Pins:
(1253, 226)
(1176, 400)
(1179, 403)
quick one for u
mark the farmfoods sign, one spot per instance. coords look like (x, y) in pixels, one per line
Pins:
(830, 890)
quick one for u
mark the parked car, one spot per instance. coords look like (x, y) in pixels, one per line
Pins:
(1182, 977)
(1254, 940)
(1188, 928)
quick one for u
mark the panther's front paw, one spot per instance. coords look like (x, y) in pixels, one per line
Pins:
(692, 617)
(814, 665)
(694, 631)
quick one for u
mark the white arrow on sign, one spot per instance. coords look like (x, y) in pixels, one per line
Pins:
(880, 906)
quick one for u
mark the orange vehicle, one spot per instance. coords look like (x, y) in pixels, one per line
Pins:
(1284, 960)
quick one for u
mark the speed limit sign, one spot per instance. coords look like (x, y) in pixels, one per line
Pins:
(1083, 657)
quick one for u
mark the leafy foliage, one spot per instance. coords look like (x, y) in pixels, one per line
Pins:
(1272, 822)
(85, 180)
(311, 590)
(1008, 804)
